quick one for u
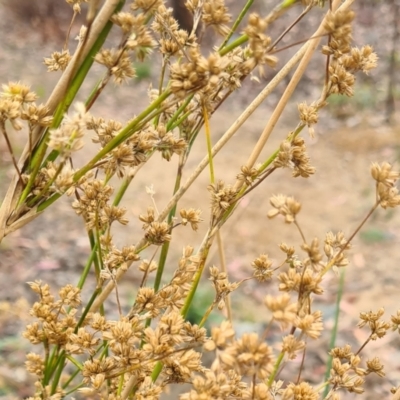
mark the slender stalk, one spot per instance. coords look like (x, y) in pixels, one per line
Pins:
(10, 150)
(212, 180)
(58, 371)
(332, 342)
(237, 22)
(171, 123)
(276, 368)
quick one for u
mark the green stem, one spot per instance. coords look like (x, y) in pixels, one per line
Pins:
(335, 328)
(276, 368)
(122, 136)
(74, 389)
(87, 309)
(179, 121)
(236, 43)
(37, 164)
(75, 362)
(49, 365)
(92, 258)
(196, 281)
(178, 112)
(59, 367)
(71, 378)
(237, 22)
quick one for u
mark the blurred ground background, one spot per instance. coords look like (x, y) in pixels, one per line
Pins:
(351, 134)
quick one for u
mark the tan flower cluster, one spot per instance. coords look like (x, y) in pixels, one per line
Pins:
(116, 258)
(222, 286)
(299, 391)
(172, 39)
(395, 319)
(58, 176)
(307, 282)
(259, 44)
(292, 154)
(55, 318)
(363, 59)
(132, 152)
(118, 64)
(346, 372)
(386, 190)
(222, 196)
(335, 245)
(168, 144)
(68, 137)
(139, 39)
(345, 60)
(291, 345)
(190, 216)
(284, 205)
(314, 259)
(172, 296)
(197, 73)
(76, 4)
(247, 356)
(248, 175)
(308, 116)
(91, 204)
(216, 14)
(104, 130)
(58, 61)
(283, 311)
(378, 327)
(214, 385)
(146, 5)
(17, 101)
(310, 324)
(172, 341)
(262, 268)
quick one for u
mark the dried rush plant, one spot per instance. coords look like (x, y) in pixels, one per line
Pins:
(84, 351)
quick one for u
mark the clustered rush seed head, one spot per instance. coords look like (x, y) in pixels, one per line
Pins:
(292, 154)
(283, 310)
(346, 372)
(259, 44)
(17, 102)
(262, 268)
(76, 4)
(68, 137)
(373, 320)
(118, 64)
(222, 196)
(346, 61)
(58, 61)
(216, 15)
(191, 216)
(222, 286)
(284, 205)
(386, 179)
(248, 175)
(335, 245)
(308, 116)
